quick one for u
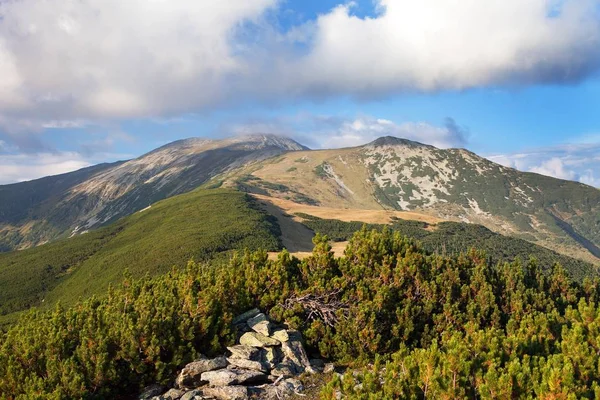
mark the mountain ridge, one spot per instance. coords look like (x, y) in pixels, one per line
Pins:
(387, 173)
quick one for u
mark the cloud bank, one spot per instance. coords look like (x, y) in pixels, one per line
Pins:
(576, 162)
(138, 58)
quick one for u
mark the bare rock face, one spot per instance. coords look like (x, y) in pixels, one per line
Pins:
(226, 392)
(281, 335)
(190, 376)
(294, 351)
(256, 339)
(242, 318)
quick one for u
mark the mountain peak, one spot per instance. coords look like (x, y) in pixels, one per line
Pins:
(267, 140)
(395, 141)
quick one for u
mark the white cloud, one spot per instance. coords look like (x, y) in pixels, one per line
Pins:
(87, 59)
(24, 167)
(355, 132)
(433, 45)
(319, 131)
(577, 162)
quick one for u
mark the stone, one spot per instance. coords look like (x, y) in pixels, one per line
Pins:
(248, 364)
(190, 376)
(296, 353)
(244, 352)
(285, 369)
(192, 395)
(317, 364)
(151, 391)
(291, 385)
(329, 368)
(260, 324)
(172, 394)
(271, 356)
(256, 339)
(281, 335)
(246, 316)
(226, 392)
(226, 377)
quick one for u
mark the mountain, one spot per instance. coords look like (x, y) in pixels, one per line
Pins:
(200, 225)
(35, 212)
(387, 174)
(453, 184)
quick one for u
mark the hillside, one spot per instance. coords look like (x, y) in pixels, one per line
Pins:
(454, 238)
(400, 322)
(32, 213)
(454, 185)
(198, 225)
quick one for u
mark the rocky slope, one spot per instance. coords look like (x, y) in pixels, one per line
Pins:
(32, 213)
(454, 184)
(389, 173)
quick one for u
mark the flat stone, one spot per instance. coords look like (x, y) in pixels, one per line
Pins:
(226, 377)
(246, 316)
(190, 376)
(226, 392)
(281, 335)
(151, 391)
(256, 339)
(244, 352)
(248, 364)
(172, 394)
(291, 385)
(260, 324)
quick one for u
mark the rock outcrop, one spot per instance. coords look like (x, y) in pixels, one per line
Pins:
(264, 365)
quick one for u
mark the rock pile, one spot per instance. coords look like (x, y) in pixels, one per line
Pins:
(264, 364)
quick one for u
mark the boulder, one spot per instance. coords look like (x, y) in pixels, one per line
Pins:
(246, 316)
(256, 339)
(281, 335)
(248, 364)
(244, 352)
(226, 377)
(172, 394)
(151, 391)
(190, 376)
(226, 392)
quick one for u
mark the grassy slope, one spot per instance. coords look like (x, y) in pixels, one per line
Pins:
(200, 225)
(455, 237)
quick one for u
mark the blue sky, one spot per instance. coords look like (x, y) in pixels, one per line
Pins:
(102, 80)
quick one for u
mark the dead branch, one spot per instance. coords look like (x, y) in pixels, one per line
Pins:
(319, 306)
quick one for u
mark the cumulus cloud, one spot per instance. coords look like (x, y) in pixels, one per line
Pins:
(321, 131)
(578, 162)
(430, 45)
(74, 60)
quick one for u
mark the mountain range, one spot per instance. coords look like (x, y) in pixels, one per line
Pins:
(387, 174)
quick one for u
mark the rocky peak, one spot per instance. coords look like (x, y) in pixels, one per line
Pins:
(396, 141)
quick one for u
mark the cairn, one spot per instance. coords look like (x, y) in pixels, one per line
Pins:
(265, 364)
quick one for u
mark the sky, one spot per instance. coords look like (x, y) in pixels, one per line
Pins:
(90, 81)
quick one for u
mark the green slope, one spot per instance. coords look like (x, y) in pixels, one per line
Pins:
(201, 224)
(455, 237)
